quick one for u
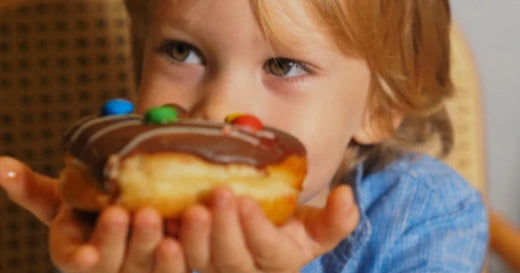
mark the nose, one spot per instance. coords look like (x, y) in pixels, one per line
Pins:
(222, 95)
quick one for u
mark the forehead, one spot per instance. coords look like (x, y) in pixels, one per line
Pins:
(286, 24)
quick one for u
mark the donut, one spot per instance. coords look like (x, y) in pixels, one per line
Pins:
(167, 161)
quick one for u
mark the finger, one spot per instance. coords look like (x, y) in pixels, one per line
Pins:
(146, 235)
(228, 248)
(68, 245)
(34, 192)
(195, 230)
(333, 223)
(109, 237)
(264, 240)
(169, 257)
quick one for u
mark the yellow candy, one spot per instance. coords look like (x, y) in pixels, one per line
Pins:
(229, 118)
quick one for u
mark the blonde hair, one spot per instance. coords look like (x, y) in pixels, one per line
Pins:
(406, 46)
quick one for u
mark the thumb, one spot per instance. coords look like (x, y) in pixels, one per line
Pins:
(328, 226)
(32, 191)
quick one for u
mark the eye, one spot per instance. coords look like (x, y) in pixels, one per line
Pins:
(181, 52)
(283, 67)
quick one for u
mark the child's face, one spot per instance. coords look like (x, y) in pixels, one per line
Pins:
(214, 60)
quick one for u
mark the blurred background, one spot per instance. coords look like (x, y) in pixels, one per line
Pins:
(492, 29)
(59, 60)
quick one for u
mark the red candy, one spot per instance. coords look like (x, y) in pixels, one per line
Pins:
(248, 121)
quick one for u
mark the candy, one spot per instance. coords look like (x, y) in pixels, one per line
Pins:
(229, 118)
(181, 112)
(161, 115)
(248, 121)
(117, 107)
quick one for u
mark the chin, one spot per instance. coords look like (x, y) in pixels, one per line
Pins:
(314, 196)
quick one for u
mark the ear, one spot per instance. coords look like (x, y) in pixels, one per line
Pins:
(372, 130)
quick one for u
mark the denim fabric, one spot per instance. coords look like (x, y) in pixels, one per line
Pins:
(417, 215)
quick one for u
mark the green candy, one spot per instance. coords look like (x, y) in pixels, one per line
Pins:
(161, 115)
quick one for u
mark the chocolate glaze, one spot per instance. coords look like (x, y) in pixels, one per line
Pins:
(94, 139)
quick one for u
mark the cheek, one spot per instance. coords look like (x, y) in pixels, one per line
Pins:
(325, 152)
(325, 140)
(153, 86)
(159, 88)
(326, 135)
(324, 155)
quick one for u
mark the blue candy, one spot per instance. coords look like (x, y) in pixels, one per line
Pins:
(117, 107)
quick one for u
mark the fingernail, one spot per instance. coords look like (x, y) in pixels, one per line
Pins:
(247, 205)
(115, 218)
(222, 202)
(7, 172)
(197, 218)
(196, 224)
(148, 217)
(346, 199)
(223, 199)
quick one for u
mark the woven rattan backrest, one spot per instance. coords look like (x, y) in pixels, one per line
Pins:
(466, 112)
(59, 60)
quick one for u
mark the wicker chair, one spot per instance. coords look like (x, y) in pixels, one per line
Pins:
(60, 59)
(468, 156)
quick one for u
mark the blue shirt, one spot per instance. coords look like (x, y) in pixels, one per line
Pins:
(417, 215)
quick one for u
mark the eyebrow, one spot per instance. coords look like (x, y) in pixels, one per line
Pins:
(180, 19)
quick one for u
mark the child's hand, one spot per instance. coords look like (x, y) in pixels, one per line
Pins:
(232, 235)
(31, 191)
(112, 246)
(75, 247)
